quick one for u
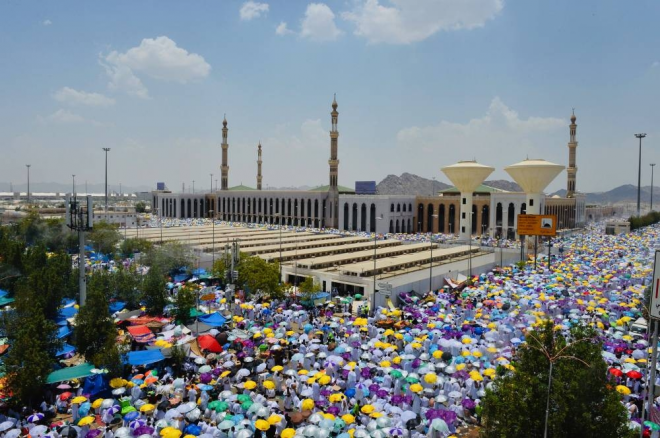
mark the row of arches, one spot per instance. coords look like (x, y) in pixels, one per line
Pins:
(507, 228)
(286, 211)
(399, 207)
(443, 218)
(355, 217)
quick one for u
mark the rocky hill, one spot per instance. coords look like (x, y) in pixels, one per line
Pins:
(409, 184)
(503, 184)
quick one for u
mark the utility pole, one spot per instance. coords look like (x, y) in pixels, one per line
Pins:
(80, 220)
(28, 188)
(652, 166)
(639, 173)
(106, 180)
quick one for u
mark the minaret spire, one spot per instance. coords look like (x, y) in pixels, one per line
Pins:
(571, 171)
(225, 164)
(259, 166)
(333, 190)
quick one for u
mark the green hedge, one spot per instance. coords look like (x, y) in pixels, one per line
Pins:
(643, 221)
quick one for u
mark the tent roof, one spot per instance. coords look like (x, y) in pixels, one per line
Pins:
(141, 333)
(69, 373)
(214, 319)
(340, 189)
(6, 301)
(144, 357)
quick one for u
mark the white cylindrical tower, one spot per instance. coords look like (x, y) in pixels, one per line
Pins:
(466, 176)
(534, 176)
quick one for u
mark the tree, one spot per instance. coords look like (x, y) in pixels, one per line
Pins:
(104, 237)
(125, 285)
(130, 246)
(153, 292)
(257, 275)
(185, 300)
(167, 257)
(96, 333)
(140, 207)
(582, 401)
(308, 289)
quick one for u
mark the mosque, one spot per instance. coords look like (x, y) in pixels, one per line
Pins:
(494, 211)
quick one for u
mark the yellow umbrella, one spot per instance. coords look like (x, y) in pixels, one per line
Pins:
(277, 368)
(117, 382)
(474, 375)
(288, 433)
(367, 409)
(623, 389)
(170, 432)
(307, 404)
(376, 414)
(490, 372)
(416, 345)
(324, 380)
(274, 419)
(269, 384)
(431, 378)
(385, 364)
(86, 421)
(303, 372)
(437, 354)
(79, 399)
(147, 407)
(97, 403)
(262, 425)
(250, 384)
(328, 416)
(416, 387)
(336, 398)
(348, 418)
(225, 373)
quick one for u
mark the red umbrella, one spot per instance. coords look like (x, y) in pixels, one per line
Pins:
(616, 372)
(634, 374)
(65, 395)
(208, 342)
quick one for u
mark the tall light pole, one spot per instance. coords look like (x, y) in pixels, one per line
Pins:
(212, 215)
(431, 260)
(211, 183)
(279, 223)
(106, 179)
(639, 173)
(652, 166)
(193, 186)
(373, 295)
(28, 189)
(74, 185)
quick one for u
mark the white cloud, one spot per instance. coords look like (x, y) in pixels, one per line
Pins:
(251, 10)
(319, 23)
(655, 64)
(282, 29)
(75, 97)
(64, 116)
(159, 58)
(46, 22)
(408, 21)
(499, 138)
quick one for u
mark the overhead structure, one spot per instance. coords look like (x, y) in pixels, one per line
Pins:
(534, 176)
(467, 176)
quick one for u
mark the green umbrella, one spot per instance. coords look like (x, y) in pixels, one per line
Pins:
(263, 347)
(396, 374)
(358, 296)
(213, 404)
(412, 380)
(246, 405)
(222, 406)
(339, 424)
(651, 425)
(242, 398)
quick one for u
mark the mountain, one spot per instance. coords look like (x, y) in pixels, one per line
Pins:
(503, 184)
(409, 184)
(54, 187)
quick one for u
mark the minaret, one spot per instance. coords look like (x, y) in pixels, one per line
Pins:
(571, 171)
(259, 166)
(333, 190)
(225, 147)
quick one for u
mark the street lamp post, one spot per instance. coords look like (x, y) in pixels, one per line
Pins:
(279, 223)
(373, 295)
(73, 192)
(28, 188)
(211, 183)
(193, 186)
(106, 150)
(212, 214)
(639, 172)
(431, 260)
(652, 166)
(470, 245)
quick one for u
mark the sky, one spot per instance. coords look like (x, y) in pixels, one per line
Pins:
(420, 85)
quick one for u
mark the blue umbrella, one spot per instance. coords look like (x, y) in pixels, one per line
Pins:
(350, 392)
(131, 416)
(193, 429)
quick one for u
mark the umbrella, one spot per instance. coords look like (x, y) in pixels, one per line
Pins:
(86, 421)
(93, 433)
(79, 399)
(262, 425)
(38, 430)
(14, 433)
(131, 416)
(143, 430)
(147, 407)
(72, 432)
(226, 425)
(35, 418)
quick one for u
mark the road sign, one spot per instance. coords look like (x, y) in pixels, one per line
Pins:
(655, 292)
(207, 297)
(385, 286)
(537, 225)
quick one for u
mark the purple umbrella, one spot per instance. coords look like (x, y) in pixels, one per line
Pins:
(205, 377)
(374, 387)
(468, 403)
(93, 433)
(143, 430)
(334, 410)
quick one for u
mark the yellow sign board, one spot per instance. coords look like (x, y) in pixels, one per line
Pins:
(537, 225)
(207, 297)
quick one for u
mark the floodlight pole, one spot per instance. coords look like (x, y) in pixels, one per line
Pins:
(106, 182)
(28, 178)
(373, 295)
(431, 260)
(652, 166)
(639, 173)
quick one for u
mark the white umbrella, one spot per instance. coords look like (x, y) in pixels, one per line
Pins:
(186, 407)
(6, 425)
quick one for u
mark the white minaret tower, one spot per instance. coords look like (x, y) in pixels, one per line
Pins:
(259, 166)
(572, 168)
(225, 166)
(333, 191)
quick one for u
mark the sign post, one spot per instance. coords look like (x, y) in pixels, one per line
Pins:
(537, 225)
